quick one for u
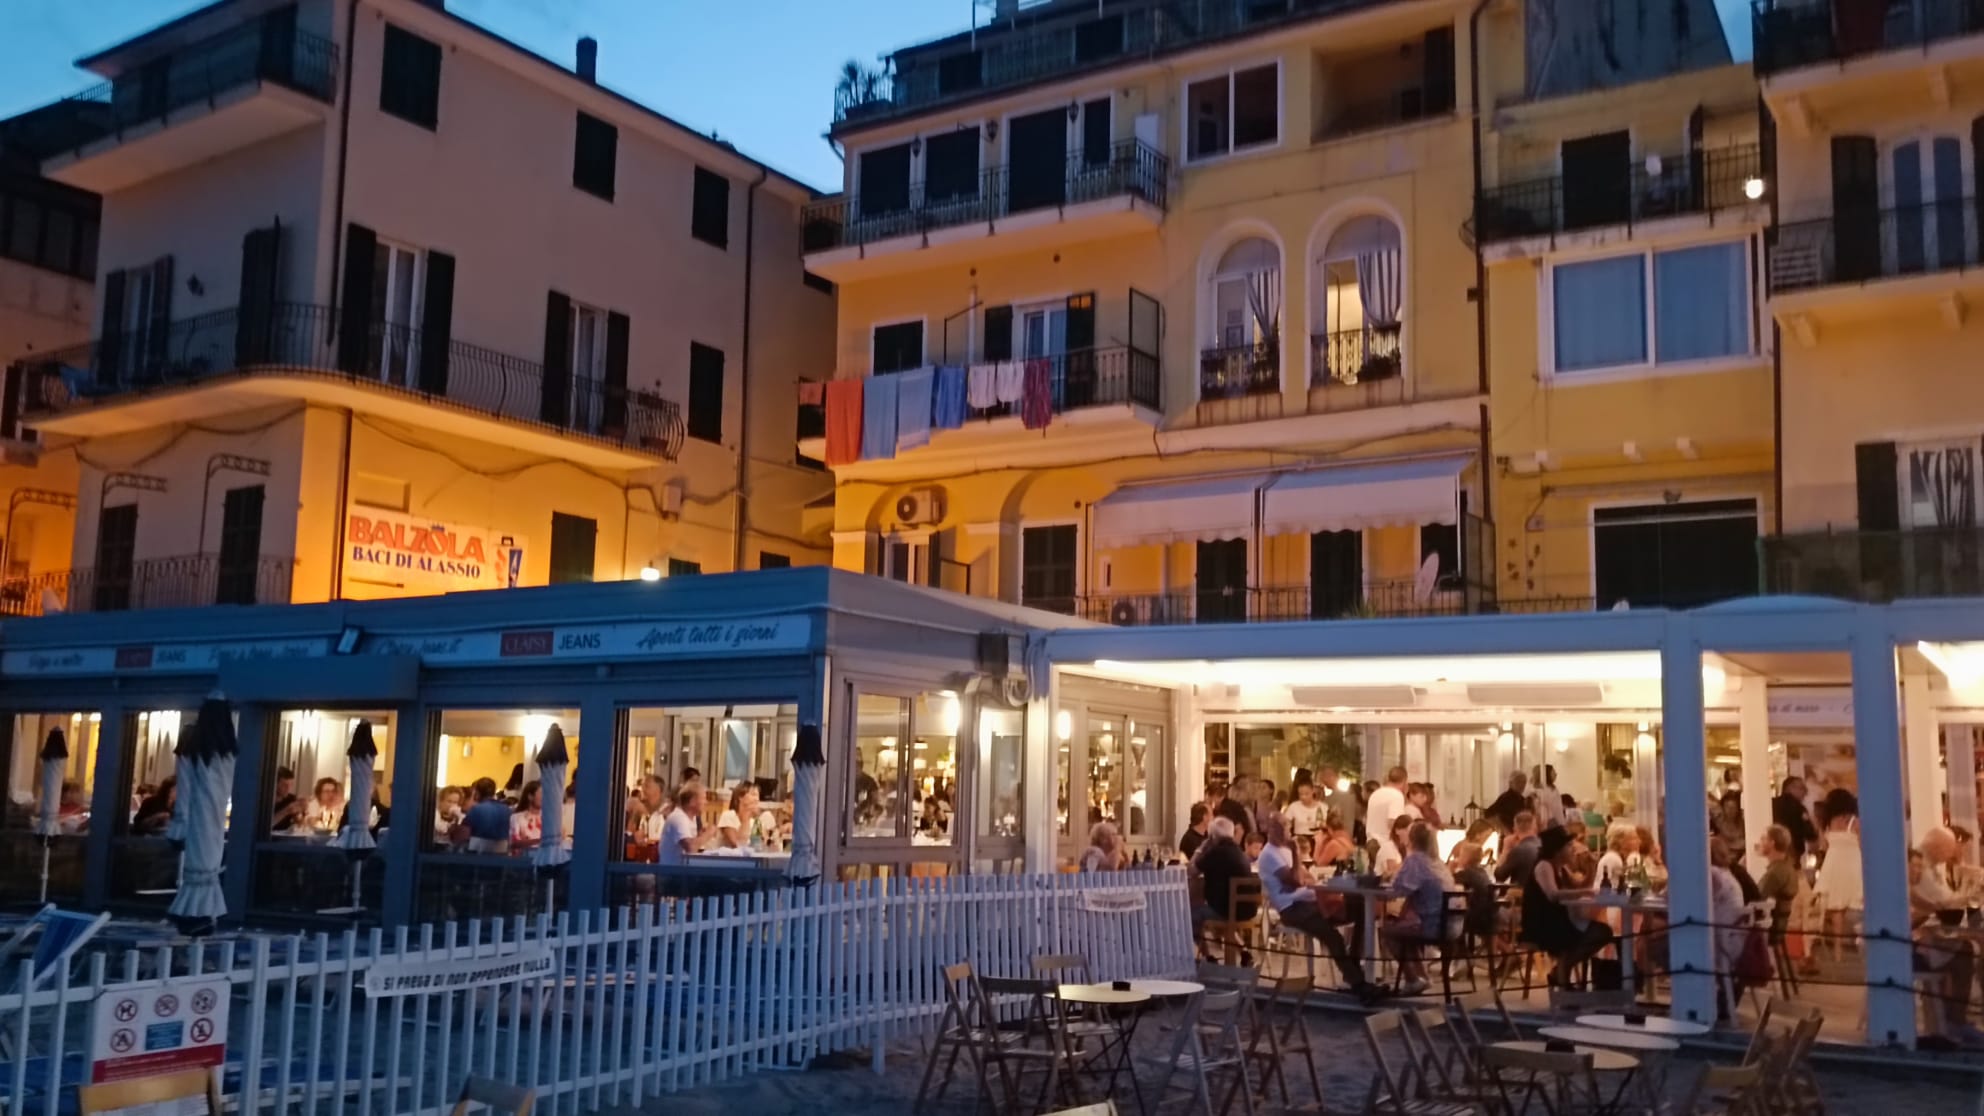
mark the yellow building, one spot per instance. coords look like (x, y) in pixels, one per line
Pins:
(1879, 115)
(1227, 252)
(1621, 222)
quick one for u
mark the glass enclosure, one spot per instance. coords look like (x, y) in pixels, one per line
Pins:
(727, 747)
(305, 804)
(486, 816)
(1001, 799)
(144, 867)
(62, 865)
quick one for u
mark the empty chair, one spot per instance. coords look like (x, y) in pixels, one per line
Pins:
(968, 1028)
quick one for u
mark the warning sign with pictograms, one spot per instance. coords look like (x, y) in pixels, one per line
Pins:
(144, 1032)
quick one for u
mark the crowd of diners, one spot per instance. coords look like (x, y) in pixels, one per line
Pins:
(1524, 865)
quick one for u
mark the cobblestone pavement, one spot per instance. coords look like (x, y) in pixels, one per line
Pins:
(849, 1089)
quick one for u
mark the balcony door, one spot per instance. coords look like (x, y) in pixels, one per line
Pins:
(1598, 180)
(1925, 192)
(1679, 555)
(396, 285)
(1222, 581)
(1037, 161)
(588, 382)
(237, 576)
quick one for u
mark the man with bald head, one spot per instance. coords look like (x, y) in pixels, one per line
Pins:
(1952, 959)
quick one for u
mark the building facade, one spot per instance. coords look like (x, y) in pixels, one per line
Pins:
(392, 306)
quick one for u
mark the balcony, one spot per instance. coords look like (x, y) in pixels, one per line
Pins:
(1116, 375)
(1795, 34)
(1276, 604)
(1059, 40)
(1357, 356)
(1236, 371)
(188, 581)
(1907, 241)
(241, 87)
(267, 355)
(1654, 188)
(1125, 191)
(1877, 566)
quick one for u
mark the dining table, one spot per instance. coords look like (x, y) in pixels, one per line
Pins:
(1113, 1056)
(1632, 906)
(1663, 1026)
(1653, 1052)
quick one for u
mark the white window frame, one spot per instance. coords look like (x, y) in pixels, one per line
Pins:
(1652, 365)
(917, 544)
(1185, 120)
(587, 379)
(400, 365)
(1930, 203)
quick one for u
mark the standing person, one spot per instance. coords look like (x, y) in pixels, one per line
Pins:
(1511, 802)
(1195, 830)
(1305, 819)
(1726, 822)
(1339, 796)
(513, 787)
(1290, 893)
(1225, 807)
(1788, 810)
(1519, 851)
(488, 820)
(678, 835)
(1549, 800)
(1839, 883)
(1387, 804)
(1419, 798)
(1105, 850)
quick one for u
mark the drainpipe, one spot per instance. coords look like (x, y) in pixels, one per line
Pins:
(1480, 284)
(336, 589)
(741, 514)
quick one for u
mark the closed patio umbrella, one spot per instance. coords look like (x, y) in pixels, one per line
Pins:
(809, 791)
(54, 758)
(356, 836)
(551, 854)
(206, 762)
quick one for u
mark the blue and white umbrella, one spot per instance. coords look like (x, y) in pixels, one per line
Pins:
(206, 765)
(552, 763)
(48, 820)
(809, 793)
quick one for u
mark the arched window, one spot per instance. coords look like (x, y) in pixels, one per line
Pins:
(1243, 353)
(1360, 288)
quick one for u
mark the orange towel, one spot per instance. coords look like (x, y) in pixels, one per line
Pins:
(843, 422)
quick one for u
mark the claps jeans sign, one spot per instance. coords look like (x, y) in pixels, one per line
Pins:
(391, 548)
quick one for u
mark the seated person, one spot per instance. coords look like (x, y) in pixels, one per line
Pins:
(1423, 882)
(1220, 861)
(1196, 830)
(488, 820)
(1953, 959)
(1391, 853)
(1547, 923)
(1289, 892)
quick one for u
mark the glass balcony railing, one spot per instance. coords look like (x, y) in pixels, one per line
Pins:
(1877, 566)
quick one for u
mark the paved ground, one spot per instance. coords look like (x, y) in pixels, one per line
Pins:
(852, 1090)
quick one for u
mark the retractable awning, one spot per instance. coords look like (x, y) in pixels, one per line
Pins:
(1360, 497)
(1168, 513)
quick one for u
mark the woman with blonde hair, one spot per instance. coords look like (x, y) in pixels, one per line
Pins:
(1622, 856)
(1105, 850)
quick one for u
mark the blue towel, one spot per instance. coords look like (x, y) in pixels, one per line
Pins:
(913, 407)
(950, 410)
(878, 418)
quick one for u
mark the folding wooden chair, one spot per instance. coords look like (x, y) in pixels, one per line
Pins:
(1236, 935)
(1284, 1034)
(496, 1097)
(968, 1028)
(1726, 1091)
(1562, 1081)
(1449, 1068)
(1037, 1039)
(1208, 1045)
(1401, 1092)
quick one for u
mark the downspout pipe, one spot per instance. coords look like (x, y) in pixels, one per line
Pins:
(1480, 290)
(741, 504)
(338, 264)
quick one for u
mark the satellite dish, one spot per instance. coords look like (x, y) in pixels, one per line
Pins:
(1427, 579)
(1653, 165)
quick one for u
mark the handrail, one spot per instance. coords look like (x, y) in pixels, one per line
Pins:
(1648, 188)
(1792, 34)
(1858, 246)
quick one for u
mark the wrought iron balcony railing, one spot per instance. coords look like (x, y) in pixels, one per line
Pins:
(1130, 168)
(269, 49)
(1375, 600)
(186, 581)
(1357, 356)
(296, 337)
(1231, 371)
(1098, 377)
(1647, 189)
(1792, 34)
(1877, 566)
(1875, 244)
(1061, 40)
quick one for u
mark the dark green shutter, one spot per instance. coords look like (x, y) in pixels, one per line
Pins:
(1438, 89)
(998, 343)
(355, 300)
(437, 323)
(254, 323)
(1876, 476)
(158, 338)
(1078, 371)
(618, 327)
(110, 349)
(1856, 208)
(554, 405)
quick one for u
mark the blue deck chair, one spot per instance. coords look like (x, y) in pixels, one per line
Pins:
(62, 935)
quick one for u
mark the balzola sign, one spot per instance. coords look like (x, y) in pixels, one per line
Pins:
(396, 549)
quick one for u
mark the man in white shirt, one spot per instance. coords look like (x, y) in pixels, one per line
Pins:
(1387, 803)
(678, 833)
(1289, 892)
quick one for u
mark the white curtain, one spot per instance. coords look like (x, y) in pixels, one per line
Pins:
(1949, 478)
(1381, 286)
(1264, 301)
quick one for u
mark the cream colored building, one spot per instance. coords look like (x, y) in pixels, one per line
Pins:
(390, 305)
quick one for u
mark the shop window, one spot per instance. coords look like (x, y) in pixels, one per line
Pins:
(145, 867)
(24, 801)
(306, 802)
(904, 784)
(1679, 555)
(490, 757)
(397, 275)
(722, 746)
(573, 539)
(1001, 776)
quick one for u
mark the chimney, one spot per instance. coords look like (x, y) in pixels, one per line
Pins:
(589, 59)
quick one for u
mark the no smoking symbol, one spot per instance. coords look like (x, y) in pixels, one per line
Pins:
(203, 1002)
(165, 1005)
(126, 1010)
(203, 1029)
(123, 1040)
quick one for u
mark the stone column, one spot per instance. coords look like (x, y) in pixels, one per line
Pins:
(1753, 715)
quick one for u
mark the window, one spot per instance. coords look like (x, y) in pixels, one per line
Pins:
(709, 220)
(573, 538)
(1441, 540)
(1695, 306)
(883, 187)
(1048, 559)
(588, 367)
(819, 283)
(726, 745)
(493, 753)
(1362, 288)
(1675, 555)
(116, 554)
(772, 560)
(410, 78)
(1233, 112)
(905, 756)
(304, 798)
(898, 347)
(705, 393)
(595, 153)
(1222, 580)
(240, 546)
(1925, 187)
(1598, 180)
(683, 567)
(950, 166)
(905, 560)
(396, 279)
(1043, 330)
(1939, 485)
(1336, 574)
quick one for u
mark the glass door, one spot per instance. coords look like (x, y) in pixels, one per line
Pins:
(588, 367)
(396, 308)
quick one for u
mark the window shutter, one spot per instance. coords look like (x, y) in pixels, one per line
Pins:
(998, 343)
(614, 419)
(1977, 173)
(709, 217)
(554, 405)
(437, 323)
(1078, 371)
(158, 338)
(355, 300)
(1876, 474)
(254, 322)
(1856, 208)
(110, 347)
(935, 551)
(705, 393)
(10, 404)
(240, 546)
(1439, 74)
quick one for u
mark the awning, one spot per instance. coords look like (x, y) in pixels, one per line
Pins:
(1360, 497)
(1168, 513)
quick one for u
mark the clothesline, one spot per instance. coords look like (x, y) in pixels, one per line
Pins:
(883, 414)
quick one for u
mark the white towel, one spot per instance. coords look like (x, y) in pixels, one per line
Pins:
(981, 386)
(1011, 381)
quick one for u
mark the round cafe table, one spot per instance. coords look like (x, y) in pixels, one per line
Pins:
(1167, 989)
(1653, 1052)
(1659, 1025)
(1113, 1058)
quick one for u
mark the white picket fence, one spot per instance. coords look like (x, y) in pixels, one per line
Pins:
(637, 1002)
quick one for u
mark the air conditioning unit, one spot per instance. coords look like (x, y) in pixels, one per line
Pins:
(920, 506)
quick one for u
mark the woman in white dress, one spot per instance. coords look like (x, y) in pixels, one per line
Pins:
(1839, 881)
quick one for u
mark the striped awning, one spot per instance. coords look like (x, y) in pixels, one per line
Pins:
(1360, 497)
